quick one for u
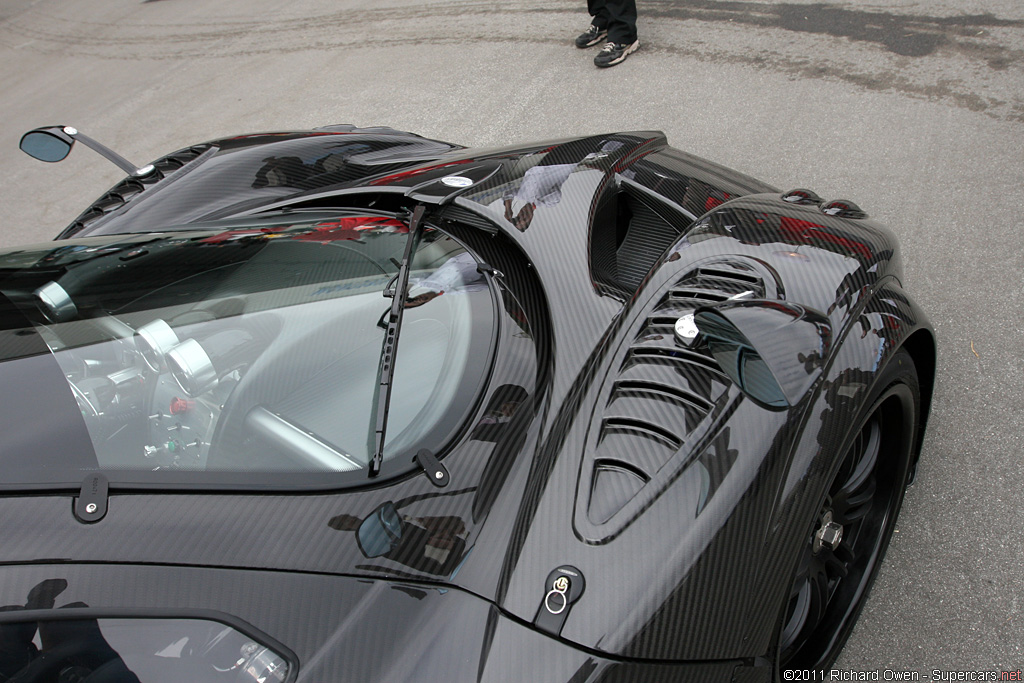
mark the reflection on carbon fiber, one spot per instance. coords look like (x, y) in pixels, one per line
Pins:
(40, 644)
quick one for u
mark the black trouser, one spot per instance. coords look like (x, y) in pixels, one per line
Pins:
(618, 16)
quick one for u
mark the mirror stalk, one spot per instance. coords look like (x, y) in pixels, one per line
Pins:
(122, 163)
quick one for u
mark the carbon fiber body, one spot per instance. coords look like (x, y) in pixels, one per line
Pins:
(630, 457)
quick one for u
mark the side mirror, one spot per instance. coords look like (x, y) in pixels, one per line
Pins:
(380, 532)
(47, 144)
(53, 143)
(772, 350)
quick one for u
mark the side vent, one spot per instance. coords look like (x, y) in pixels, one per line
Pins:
(657, 400)
(629, 233)
(662, 393)
(647, 238)
(130, 187)
(172, 162)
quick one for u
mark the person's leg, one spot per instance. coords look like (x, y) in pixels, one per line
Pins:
(599, 15)
(598, 30)
(621, 20)
(622, 39)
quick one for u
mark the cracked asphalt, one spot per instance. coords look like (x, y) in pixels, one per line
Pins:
(912, 108)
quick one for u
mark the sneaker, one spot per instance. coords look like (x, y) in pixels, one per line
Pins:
(591, 37)
(613, 53)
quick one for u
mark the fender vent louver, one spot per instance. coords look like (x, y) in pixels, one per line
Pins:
(172, 162)
(130, 187)
(657, 400)
(663, 392)
(638, 353)
(614, 484)
(706, 286)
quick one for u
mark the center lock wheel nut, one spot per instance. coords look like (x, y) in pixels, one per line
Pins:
(830, 535)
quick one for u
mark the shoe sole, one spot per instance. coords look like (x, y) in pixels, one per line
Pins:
(621, 58)
(593, 42)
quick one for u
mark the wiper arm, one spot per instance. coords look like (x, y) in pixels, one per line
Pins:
(389, 351)
(437, 191)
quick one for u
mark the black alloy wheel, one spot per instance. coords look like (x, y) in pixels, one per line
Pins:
(851, 530)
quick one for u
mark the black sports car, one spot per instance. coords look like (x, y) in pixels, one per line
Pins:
(355, 405)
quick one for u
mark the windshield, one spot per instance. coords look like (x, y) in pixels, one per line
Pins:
(241, 355)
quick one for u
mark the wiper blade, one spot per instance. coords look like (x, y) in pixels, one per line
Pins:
(389, 351)
(436, 191)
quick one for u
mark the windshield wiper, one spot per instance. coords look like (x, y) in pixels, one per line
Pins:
(388, 354)
(437, 192)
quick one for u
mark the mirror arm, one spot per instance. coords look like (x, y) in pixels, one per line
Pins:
(122, 163)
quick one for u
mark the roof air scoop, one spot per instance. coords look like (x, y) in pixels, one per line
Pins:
(802, 197)
(843, 208)
(54, 143)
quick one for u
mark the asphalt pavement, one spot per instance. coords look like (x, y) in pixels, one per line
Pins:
(914, 109)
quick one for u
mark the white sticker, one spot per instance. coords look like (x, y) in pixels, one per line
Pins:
(456, 181)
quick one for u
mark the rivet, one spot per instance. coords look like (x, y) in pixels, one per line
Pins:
(90, 508)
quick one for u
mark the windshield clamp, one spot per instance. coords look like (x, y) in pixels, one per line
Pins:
(91, 504)
(489, 270)
(435, 471)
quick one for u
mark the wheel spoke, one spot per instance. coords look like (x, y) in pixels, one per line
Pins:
(837, 566)
(845, 554)
(799, 610)
(850, 505)
(820, 591)
(862, 457)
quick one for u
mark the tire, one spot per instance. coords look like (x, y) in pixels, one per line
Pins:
(863, 497)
